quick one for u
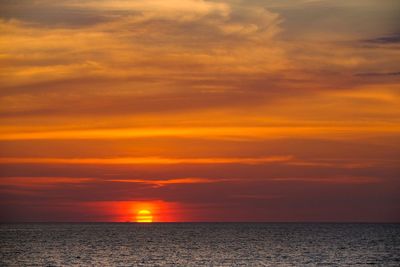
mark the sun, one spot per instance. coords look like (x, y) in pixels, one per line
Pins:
(144, 216)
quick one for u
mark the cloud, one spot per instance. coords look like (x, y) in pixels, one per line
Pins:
(161, 57)
(183, 181)
(147, 160)
(188, 10)
(177, 181)
(389, 39)
(209, 132)
(50, 14)
(126, 45)
(195, 199)
(42, 181)
(377, 74)
(332, 180)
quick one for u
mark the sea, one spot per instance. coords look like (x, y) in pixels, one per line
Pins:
(199, 244)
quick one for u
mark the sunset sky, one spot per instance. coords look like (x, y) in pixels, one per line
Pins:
(236, 110)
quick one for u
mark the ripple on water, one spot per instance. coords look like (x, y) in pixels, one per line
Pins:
(199, 244)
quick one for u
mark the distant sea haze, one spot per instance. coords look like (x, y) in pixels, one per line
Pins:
(199, 244)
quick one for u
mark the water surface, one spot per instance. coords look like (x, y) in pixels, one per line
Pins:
(199, 244)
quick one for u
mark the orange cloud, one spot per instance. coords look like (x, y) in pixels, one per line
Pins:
(41, 181)
(332, 180)
(159, 183)
(257, 132)
(147, 160)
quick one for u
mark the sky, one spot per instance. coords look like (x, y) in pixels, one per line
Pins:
(195, 110)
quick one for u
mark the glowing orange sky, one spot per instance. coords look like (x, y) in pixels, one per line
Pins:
(200, 110)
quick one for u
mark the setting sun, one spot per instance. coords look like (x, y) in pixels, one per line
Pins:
(144, 216)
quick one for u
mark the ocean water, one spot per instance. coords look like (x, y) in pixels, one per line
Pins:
(199, 244)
